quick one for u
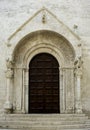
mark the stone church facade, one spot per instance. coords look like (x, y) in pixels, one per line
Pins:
(45, 35)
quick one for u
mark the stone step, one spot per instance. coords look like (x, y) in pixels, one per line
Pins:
(88, 121)
(41, 127)
(43, 115)
(44, 122)
(45, 119)
(29, 116)
(7, 117)
(47, 129)
(48, 119)
(87, 124)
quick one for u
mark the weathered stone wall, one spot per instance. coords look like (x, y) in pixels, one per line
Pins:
(71, 12)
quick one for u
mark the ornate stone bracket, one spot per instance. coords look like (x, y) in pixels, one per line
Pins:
(9, 76)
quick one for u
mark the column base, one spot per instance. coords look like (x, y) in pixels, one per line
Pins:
(18, 112)
(8, 107)
(78, 108)
(23, 111)
(79, 111)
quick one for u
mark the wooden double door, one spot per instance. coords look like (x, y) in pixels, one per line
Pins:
(44, 84)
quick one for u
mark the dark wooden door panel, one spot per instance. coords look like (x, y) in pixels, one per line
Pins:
(44, 84)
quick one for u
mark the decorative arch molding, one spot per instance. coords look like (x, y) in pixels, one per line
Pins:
(38, 36)
(52, 23)
(44, 41)
(43, 49)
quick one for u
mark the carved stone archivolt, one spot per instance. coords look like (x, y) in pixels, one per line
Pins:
(44, 42)
(44, 38)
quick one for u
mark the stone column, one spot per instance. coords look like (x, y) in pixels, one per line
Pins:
(61, 89)
(26, 89)
(9, 76)
(78, 74)
(78, 91)
(23, 91)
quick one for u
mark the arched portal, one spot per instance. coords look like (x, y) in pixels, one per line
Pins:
(58, 48)
(44, 84)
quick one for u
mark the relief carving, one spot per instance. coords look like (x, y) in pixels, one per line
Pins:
(9, 72)
(43, 19)
(78, 66)
(9, 63)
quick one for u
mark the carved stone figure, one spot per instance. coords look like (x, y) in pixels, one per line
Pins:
(78, 66)
(78, 62)
(9, 63)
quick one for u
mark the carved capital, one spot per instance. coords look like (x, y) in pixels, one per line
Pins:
(78, 62)
(78, 72)
(9, 73)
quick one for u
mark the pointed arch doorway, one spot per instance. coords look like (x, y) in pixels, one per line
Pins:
(44, 84)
